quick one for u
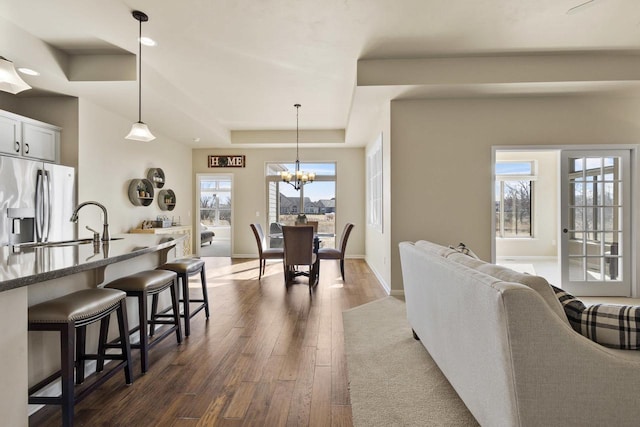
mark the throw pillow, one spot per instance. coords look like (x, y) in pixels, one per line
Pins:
(572, 306)
(463, 249)
(610, 325)
(614, 326)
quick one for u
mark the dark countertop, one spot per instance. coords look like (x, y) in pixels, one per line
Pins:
(25, 266)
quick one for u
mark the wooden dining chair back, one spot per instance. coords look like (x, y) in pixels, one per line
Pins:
(298, 251)
(314, 224)
(338, 253)
(264, 253)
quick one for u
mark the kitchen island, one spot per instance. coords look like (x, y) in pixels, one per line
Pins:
(34, 274)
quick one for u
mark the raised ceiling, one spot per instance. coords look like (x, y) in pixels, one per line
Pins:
(225, 70)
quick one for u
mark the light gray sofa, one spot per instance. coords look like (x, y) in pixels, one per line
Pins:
(504, 343)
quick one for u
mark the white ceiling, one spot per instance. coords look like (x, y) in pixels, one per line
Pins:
(240, 65)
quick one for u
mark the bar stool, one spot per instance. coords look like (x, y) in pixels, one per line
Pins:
(186, 267)
(72, 313)
(141, 285)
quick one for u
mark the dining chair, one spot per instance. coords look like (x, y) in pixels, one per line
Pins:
(314, 224)
(298, 251)
(264, 253)
(334, 253)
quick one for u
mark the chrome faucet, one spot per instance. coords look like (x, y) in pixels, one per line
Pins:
(105, 229)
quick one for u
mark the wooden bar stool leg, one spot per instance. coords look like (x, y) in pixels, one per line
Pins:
(67, 343)
(185, 303)
(175, 304)
(81, 333)
(143, 331)
(102, 341)
(123, 326)
(154, 310)
(205, 295)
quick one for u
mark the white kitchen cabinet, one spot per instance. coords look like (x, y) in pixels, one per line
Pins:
(39, 142)
(25, 137)
(10, 135)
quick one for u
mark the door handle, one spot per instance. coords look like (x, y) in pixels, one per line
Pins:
(26, 146)
(47, 206)
(39, 206)
(17, 147)
(564, 230)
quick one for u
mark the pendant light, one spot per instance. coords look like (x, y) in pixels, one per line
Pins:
(10, 81)
(140, 131)
(298, 178)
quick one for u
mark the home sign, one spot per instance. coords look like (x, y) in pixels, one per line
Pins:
(237, 161)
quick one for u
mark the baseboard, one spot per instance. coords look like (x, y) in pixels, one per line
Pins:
(384, 284)
(397, 293)
(245, 256)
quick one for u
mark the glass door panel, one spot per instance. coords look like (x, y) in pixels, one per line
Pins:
(595, 218)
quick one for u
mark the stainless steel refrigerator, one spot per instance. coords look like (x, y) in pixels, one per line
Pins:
(36, 201)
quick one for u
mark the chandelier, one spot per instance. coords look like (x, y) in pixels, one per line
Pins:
(298, 178)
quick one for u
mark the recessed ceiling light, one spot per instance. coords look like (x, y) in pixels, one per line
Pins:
(29, 71)
(147, 41)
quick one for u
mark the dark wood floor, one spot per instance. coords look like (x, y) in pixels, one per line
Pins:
(267, 356)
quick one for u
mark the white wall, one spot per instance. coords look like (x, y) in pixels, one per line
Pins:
(545, 207)
(441, 157)
(250, 190)
(107, 162)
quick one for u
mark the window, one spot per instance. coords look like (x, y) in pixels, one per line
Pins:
(595, 198)
(374, 185)
(215, 201)
(514, 196)
(316, 200)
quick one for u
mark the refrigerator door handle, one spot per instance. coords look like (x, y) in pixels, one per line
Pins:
(39, 205)
(47, 205)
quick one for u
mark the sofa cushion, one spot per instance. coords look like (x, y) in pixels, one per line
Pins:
(537, 283)
(466, 260)
(434, 248)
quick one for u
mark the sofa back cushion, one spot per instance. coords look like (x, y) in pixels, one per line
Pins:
(434, 248)
(537, 283)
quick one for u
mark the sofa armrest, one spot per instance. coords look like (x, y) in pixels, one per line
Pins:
(560, 376)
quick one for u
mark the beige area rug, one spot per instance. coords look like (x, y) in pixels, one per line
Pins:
(392, 379)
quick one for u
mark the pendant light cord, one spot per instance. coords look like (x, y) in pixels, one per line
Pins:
(140, 73)
(297, 112)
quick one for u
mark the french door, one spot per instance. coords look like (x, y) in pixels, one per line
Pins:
(596, 222)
